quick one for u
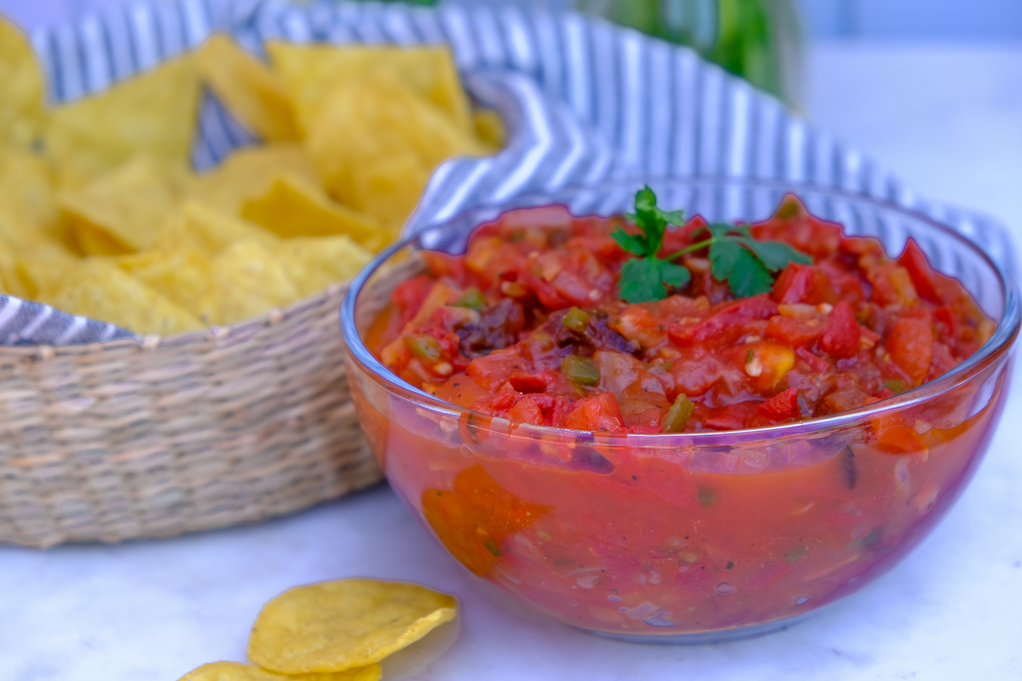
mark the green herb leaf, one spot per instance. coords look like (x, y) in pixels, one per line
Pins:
(750, 277)
(674, 275)
(647, 278)
(776, 254)
(723, 258)
(640, 281)
(735, 257)
(630, 242)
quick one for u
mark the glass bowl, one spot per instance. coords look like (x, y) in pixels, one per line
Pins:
(699, 537)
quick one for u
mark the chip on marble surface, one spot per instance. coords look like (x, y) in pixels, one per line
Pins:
(236, 671)
(335, 626)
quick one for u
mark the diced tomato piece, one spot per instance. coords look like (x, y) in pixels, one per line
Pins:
(462, 391)
(943, 361)
(843, 285)
(695, 372)
(731, 417)
(841, 338)
(446, 265)
(637, 323)
(944, 320)
(410, 295)
(802, 284)
(844, 399)
(862, 245)
(911, 348)
(794, 331)
(545, 292)
(815, 362)
(929, 283)
(542, 381)
(725, 326)
(494, 369)
(782, 406)
(891, 284)
(793, 224)
(526, 410)
(596, 413)
(500, 402)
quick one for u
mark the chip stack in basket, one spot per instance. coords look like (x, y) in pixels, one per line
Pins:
(219, 393)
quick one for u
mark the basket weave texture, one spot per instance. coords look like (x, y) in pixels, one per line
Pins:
(153, 438)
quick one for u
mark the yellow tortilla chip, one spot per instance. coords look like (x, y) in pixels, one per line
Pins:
(185, 277)
(27, 194)
(235, 671)
(248, 172)
(123, 211)
(22, 89)
(293, 207)
(153, 114)
(312, 71)
(387, 188)
(97, 288)
(257, 97)
(334, 626)
(250, 281)
(31, 274)
(29, 218)
(313, 263)
(490, 129)
(8, 277)
(197, 226)
(371, 120)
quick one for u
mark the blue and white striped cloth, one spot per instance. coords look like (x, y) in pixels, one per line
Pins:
(584, 101)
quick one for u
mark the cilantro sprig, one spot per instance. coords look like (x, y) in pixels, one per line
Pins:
(747, 265)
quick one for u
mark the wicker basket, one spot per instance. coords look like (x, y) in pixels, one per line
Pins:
(131, 439)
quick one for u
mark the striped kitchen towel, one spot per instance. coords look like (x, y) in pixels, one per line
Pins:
(584, 101)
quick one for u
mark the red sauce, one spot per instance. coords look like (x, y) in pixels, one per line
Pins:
(618, 533)
(528, 326)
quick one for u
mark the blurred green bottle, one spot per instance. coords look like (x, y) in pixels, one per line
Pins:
(759, 40)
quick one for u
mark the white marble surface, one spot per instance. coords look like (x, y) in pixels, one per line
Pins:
(950, 121)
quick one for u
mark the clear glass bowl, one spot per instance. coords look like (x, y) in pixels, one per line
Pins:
(697, 537)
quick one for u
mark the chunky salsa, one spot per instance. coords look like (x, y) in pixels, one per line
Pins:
(529, 325)
(636, 535)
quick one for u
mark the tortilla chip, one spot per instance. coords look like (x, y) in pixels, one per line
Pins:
(185, 277)
(248, 172)
(29, 217)
(154, 114)
(388, 188)
(31, 274)
(254, 95)
(250, 281)
(490, 129)
(97, 288)
(372, 120)
(9, 283)
(334, 626)
(123, 211)
(199, 227)
(312, 71)
(313, 263)
(235, 671)
(293, 207)
(22, 102)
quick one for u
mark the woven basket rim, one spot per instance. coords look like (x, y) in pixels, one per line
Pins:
(271, 317)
